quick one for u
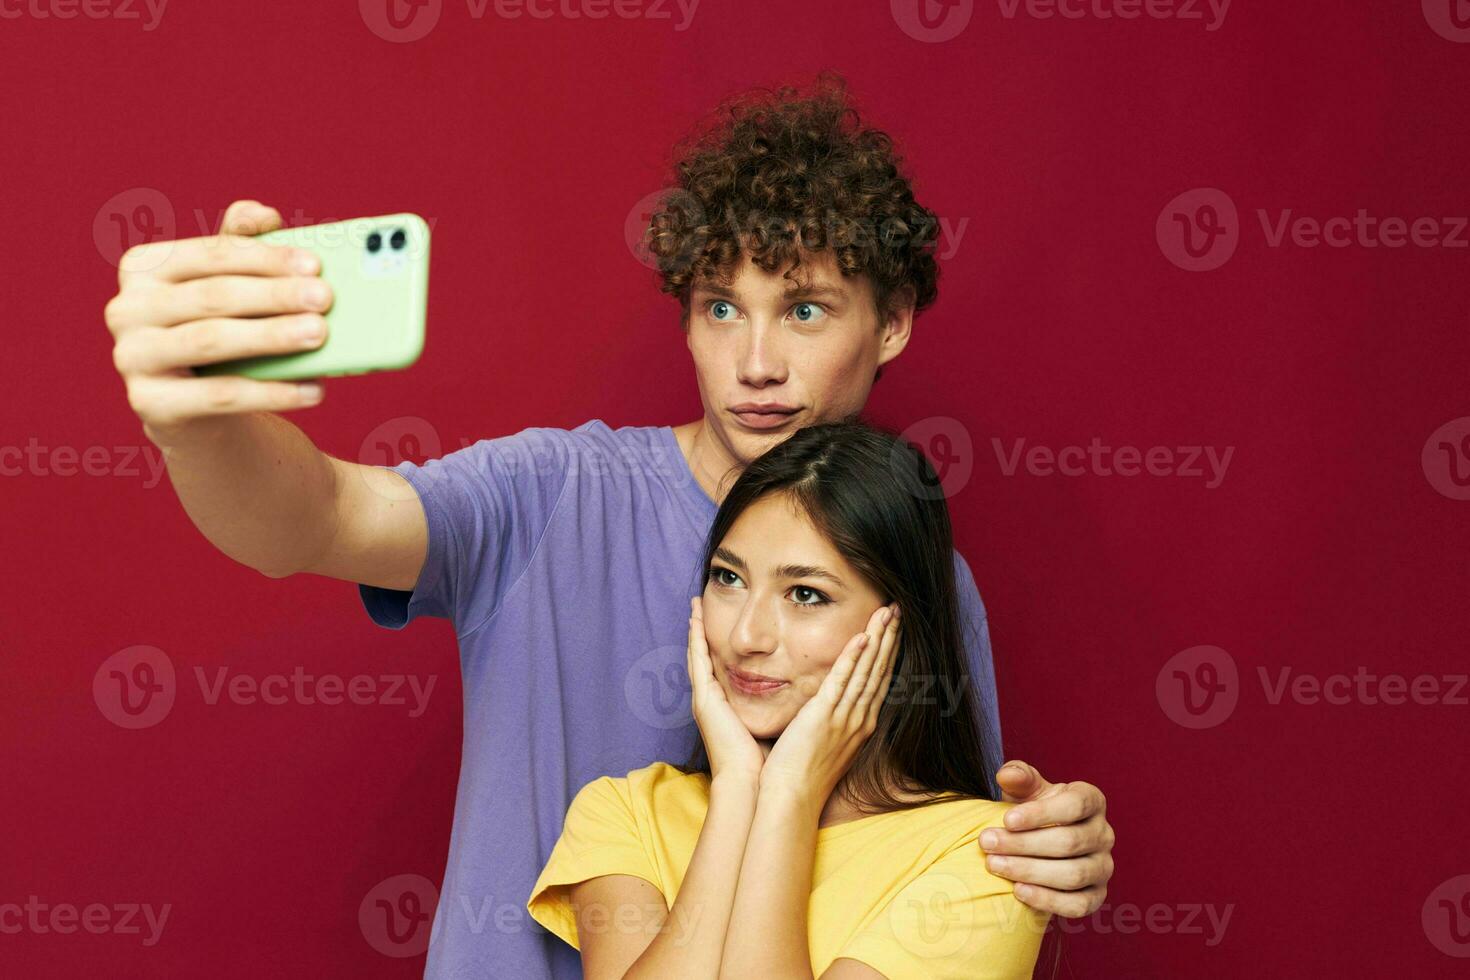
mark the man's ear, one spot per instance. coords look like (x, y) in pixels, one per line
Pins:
(898, 325)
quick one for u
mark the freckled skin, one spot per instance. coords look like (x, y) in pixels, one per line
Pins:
(778, 627)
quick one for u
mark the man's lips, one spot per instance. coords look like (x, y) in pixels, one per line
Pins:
(763, 418)
(752, 683)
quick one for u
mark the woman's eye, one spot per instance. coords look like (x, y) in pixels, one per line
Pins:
(820, 600)
(715, 574)
(718, 308)
(809, 312)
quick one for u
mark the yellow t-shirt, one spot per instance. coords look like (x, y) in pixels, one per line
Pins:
(905, 892)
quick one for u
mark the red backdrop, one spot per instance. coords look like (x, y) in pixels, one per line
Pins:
(1318, 826)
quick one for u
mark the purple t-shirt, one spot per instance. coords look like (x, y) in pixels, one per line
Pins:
(565, 560)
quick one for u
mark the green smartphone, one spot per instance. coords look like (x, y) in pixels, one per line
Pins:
(378, 269)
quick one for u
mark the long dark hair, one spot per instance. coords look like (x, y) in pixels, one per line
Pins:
(876, 497)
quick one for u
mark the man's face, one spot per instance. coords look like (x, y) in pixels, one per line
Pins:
(761, 619)
(767, 341)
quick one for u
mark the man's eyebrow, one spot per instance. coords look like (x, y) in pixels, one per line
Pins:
(785, 571)
(810, 291)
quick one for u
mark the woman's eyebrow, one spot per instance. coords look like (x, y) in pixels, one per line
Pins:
(785, 571)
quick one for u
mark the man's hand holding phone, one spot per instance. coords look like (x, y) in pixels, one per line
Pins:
(196, 301)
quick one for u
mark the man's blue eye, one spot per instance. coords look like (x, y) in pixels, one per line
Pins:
(816, 312)
(716, 306)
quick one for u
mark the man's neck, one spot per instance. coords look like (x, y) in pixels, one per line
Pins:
(712, 466)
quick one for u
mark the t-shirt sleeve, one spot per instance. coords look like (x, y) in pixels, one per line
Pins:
(953, 920)
(600, 837)
(487, 506)
(975, 624)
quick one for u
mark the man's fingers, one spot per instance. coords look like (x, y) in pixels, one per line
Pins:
(1069, 905)
(216, 255)
(1069, 875)
(166, 401)
(249, 217)
(1064, 803)
(1018, 781)
(1048, 842)
(238, 296)
(158, 350)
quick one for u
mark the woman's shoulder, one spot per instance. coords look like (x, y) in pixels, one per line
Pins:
(653, 787)
(663, 781)
(950, 819)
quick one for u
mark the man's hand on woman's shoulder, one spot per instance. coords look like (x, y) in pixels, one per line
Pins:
(1057, 845)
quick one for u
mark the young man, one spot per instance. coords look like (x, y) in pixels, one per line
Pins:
(566, 558)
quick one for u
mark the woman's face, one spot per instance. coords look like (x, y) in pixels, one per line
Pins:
(780, 603)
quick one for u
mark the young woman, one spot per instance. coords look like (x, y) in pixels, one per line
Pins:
(829, 826)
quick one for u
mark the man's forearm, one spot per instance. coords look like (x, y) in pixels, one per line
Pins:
(693, 937)
(256, 487)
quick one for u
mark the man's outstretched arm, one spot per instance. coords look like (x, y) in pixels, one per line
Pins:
(252, 482)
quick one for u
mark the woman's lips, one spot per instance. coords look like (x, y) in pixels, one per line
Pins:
(745, 684)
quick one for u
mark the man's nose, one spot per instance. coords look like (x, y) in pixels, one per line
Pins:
(762, 361)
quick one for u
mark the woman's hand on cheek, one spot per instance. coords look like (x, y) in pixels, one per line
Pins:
(728, 743)
(813, 753)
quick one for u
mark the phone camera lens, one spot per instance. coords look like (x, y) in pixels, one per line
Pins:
(374, 242)
(399, 239)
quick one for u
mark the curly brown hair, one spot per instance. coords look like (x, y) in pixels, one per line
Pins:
(779, 174)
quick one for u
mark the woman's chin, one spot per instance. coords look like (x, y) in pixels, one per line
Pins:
(762, 724)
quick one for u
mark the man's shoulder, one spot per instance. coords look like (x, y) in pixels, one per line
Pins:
(590, 448)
